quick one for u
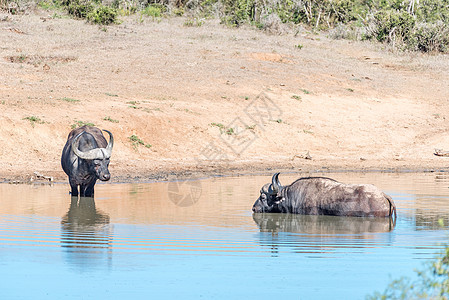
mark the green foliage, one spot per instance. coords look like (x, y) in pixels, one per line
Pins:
(91, 10)
(305, 91)
(178, 11)
(110, 119)
(409, 25)
(49, 4)
(432, 282)
(432, 37)
(237, 12)
(392, 24)
(230, 131)
(193, 22)
(322, 14)
(103, 15)
(33, 120)
(77, 124)
(153, 10)
(136, 141)
(78, 8)
(224, 129)
(432, 11)
(71, 100)
(423, 26)
(219, 125)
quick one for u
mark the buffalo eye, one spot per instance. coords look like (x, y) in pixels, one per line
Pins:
(97, 162)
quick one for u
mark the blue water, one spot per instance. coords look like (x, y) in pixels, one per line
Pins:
(133, 242)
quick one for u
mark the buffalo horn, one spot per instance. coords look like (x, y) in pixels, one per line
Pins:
(110, 143)
(276, 185)
(97, 153)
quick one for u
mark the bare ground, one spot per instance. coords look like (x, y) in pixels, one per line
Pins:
(215, 100)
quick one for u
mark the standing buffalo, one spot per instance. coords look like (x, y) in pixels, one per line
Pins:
(324, 196)
(85, 159)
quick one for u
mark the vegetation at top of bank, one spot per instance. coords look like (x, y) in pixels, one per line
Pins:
(415, 25)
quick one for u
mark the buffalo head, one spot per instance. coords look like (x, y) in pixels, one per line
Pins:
(97, 158)
(269, 198)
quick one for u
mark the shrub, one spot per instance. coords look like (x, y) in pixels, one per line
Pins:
(237, 12)
(79, 8)
(93, 11)
(392, 25)
(430, 38)
(432, 11)
(152, 11)
(103, 15)
(411, 24)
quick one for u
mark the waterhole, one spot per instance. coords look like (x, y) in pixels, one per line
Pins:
(199, 239)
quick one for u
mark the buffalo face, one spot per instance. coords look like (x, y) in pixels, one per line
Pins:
(269, 198)
(97, 158)
(100, 169)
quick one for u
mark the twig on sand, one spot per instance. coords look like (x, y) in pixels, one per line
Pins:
(440, 152)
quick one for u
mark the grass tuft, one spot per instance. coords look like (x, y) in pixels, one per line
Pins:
(136, 141)
(33, 120)
(110, 119)
(77, 124)
(66, 99)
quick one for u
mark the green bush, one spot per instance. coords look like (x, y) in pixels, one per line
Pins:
(79, 8)
(237, 12)
(93, 11)
(103, 15)
(152, 11)
(407, 24)
(432, 37)
(392, 25)
(432, 11)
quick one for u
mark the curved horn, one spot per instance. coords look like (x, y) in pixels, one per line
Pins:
(110, 143)
(276, 185)
(97, 153)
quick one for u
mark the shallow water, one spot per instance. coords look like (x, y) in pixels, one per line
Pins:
(199, 239)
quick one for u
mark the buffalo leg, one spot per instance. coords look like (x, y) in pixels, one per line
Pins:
(87, 190)
(74, 187)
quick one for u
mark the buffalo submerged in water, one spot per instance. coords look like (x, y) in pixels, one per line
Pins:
(85, 159)
(324, 196)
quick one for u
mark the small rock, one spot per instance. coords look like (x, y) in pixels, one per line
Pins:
(304, 156)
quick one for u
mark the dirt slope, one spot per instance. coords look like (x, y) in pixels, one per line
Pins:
(214, 99)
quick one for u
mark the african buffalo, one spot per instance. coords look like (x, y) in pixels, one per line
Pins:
(324, 196)
(85, 159)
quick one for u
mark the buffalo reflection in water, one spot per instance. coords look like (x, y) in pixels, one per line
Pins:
(86, 234)
(319, 234)
(314, 224)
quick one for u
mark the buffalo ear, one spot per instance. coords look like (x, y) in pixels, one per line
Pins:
(279, 200)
